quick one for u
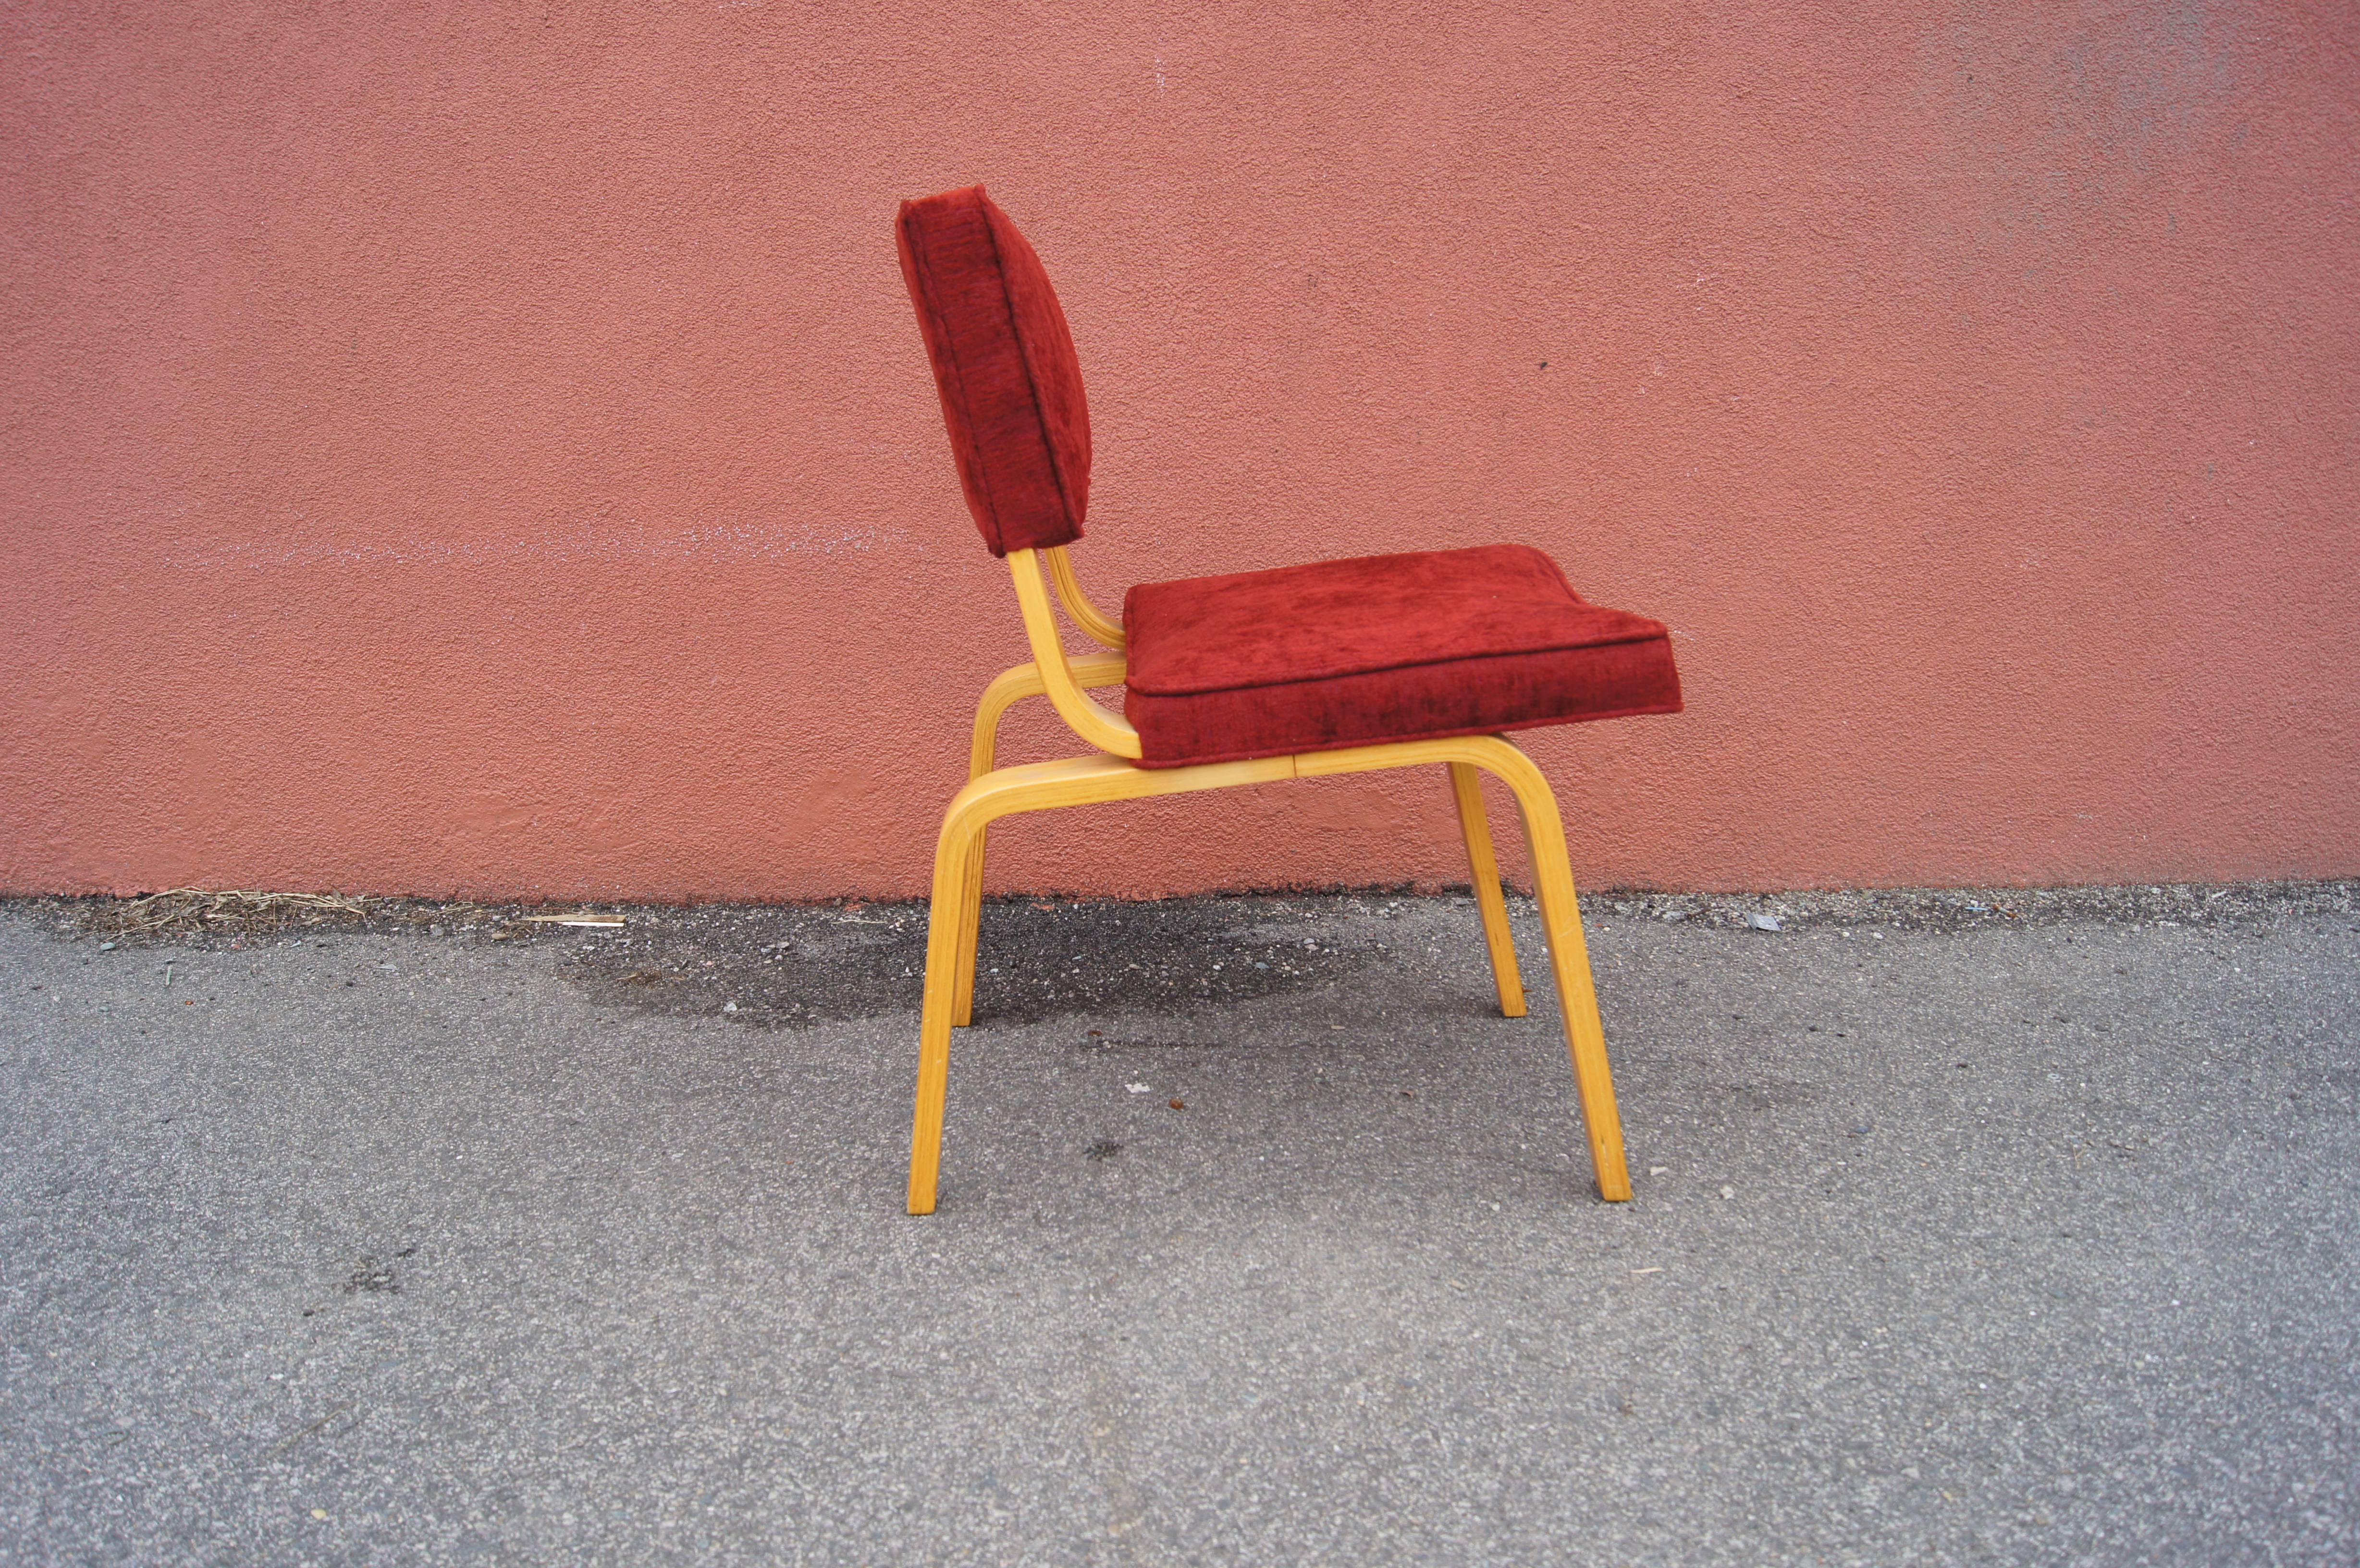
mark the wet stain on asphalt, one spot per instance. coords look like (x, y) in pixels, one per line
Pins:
(792, 967)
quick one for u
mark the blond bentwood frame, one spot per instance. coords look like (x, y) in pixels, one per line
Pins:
(992, 793)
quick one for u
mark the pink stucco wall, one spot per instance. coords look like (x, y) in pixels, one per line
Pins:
(487, 448)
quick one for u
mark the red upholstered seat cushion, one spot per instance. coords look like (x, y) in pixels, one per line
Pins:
(1380, 649)
(1004, 363)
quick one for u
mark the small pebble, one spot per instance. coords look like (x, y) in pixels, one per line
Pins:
(728, 1006)
(1728, 1191)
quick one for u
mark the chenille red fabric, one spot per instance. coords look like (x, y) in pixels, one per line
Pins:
(1004, 363)
(1383, 647)
(1265, 663)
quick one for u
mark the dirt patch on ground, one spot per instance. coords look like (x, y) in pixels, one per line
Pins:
(198, 912)
(1966, 909)
(793, 966)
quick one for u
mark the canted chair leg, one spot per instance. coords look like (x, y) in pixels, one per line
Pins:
(957, 859)
(970, 932)
(983, 748)
(1467, 791)
(1577, 997)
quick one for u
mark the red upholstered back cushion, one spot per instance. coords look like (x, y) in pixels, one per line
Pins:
(1004, 363)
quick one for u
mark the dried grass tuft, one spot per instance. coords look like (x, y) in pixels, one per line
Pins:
(192, 910)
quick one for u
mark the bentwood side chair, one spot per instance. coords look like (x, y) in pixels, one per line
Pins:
(1340, 666)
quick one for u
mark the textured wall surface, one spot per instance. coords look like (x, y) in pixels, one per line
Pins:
(487, 448)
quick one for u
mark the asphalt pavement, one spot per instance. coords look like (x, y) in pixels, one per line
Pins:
(2009, 1228)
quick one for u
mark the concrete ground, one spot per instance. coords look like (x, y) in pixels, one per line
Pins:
(2012, 1234)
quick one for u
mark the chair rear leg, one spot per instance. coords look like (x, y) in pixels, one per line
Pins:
(969, 931)
(1466, 791)
(1585, 1035)
(982, 752)
(956, 862)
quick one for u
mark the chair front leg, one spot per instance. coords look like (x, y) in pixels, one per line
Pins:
(1467, 791)
(1577, 997)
